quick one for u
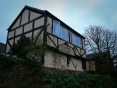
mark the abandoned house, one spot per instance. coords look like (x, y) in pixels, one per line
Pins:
(66, 46)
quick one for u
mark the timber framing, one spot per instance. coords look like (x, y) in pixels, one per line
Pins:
(45, 34)
(29, 25)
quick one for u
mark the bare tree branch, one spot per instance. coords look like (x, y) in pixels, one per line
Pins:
(101, 40)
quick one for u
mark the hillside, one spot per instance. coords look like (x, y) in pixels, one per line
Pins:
(26, 73)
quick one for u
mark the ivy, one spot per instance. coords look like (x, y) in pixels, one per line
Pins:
(19, 48)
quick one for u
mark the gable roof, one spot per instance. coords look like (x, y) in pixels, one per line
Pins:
(43, 12)
(2, 47)
(28, 8)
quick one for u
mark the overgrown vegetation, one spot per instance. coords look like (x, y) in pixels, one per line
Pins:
(27, 73)
(26, 48)
(26, 70)
(102, 43)
(20, 48)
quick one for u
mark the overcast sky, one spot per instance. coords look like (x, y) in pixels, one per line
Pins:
(78, 14)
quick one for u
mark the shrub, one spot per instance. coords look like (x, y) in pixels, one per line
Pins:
(23, 72)
(86, 80)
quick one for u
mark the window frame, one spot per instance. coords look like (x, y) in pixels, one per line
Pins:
(61, 30)
(76, 40)
(68, 36)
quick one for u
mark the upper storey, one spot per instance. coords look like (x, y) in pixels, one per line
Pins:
(57, 34)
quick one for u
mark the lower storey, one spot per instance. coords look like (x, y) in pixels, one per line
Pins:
(62, 62)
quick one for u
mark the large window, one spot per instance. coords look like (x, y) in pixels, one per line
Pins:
(63, 33)
(60, 31)
(76, 40)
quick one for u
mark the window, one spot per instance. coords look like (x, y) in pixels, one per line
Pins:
(63, 33)
(76, 40)
(60, 31)
(56, 28)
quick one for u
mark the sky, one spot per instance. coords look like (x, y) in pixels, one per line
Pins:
(78, 14)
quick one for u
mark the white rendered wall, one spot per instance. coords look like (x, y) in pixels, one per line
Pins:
(56, 60)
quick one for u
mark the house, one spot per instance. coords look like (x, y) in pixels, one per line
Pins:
(93, 62)
(90, 62)
(2, 48)
(66, 47)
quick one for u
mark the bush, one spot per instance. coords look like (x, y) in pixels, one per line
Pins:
(23, 72)
(19, 48)
(7, 62)
(85, 80)
(11, 63)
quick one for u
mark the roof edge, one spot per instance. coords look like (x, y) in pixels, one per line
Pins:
(43, 11)
(64, 23)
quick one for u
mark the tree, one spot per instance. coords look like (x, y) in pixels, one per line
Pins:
(101, 41)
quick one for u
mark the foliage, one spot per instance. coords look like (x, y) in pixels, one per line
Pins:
(26, 73)
(36, 50)
(101, 42)
(19, 48)
(100, 39)
(85, 80)
(8, 62)
(62, 80)
(26, 48)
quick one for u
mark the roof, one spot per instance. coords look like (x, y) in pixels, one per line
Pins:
(91, 56)
(43, 12)
(2, 47)
(94, 56)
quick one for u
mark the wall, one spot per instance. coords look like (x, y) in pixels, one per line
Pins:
(29, 24)
(75, 64)
(59, 61)
(54, 41)
(90, 66)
